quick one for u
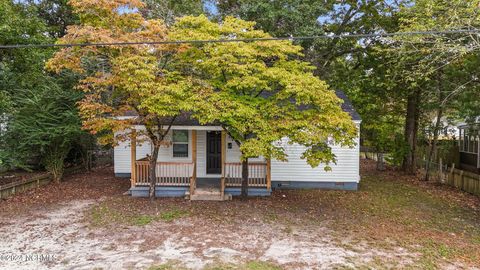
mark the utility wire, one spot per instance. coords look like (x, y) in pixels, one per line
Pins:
(415, 33)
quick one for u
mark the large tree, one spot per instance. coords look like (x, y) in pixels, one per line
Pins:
(40, 122)
(56, 14)
(121, 79)
(260, 93)
(285, 18)
(361, 67)
(436, 77)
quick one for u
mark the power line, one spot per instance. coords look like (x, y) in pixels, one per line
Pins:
(415, 33)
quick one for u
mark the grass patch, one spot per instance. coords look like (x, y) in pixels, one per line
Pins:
(423, 218)
(171, 215)
(408, 205)
(270, 217)
(252, 265)
(105, 214)
(390, 210)
(433, 252)
(102, 215)
(258, 265)
(143, 220)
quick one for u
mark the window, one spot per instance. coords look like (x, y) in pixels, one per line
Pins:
(469, 140)
(471, 144)
(180, 143)
(477, 141)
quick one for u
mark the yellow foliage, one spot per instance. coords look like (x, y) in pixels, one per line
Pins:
(259, 92)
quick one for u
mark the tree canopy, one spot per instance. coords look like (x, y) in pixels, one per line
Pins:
(38, 116)
(259, 92)
(400, 85)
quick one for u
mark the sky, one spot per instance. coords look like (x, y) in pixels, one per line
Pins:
(209, 5)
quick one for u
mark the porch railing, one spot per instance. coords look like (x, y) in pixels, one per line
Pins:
(182, 174)
(168, 173)
(257, 174)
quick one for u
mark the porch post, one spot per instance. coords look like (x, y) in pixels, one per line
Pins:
(193, 183)
(224, 154)
(269, 174)
(223, 150)
(133, 157)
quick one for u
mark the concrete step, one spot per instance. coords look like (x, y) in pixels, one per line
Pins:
(207, 191)
(208, 194)
(200, 197)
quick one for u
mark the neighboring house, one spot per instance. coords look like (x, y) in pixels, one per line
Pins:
(448, 129)
(198, 158)
(469, 147)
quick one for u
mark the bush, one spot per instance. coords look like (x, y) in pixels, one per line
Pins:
(45, 123)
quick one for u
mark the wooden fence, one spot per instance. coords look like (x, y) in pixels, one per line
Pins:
(463, 180)
(369, 155)
(447, 175)
(466, 181)
(33, 182)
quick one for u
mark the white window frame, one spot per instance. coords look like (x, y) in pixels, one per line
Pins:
(187, 143)
(469, 143)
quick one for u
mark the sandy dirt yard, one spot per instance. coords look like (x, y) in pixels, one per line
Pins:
(387, 224)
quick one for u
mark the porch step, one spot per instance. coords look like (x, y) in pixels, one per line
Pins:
(208, 194)
(197, 197)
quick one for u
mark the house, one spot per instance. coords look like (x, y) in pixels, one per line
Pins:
(469, 147)
(201, 158)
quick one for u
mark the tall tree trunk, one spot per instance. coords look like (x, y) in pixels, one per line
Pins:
(380, 161)
(152, 174)
(433, 146)
(436, 128)
(411, 130)
(244, 192)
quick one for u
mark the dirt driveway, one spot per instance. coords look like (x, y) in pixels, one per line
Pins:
(74, 225)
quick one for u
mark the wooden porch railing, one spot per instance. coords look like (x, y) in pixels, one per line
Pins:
(193, 179)
(257, 174)
(168, 173)
(182, 174)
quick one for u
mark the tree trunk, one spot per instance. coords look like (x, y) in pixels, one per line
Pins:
(54, 161)
(380, 162)
(433, 147)
(244, 192)
(411, 130)
(436, 129)
(152, 175)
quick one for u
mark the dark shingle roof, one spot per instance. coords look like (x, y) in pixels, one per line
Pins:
(347, 105)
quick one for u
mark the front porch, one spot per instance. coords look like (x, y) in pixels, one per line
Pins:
(179, 178)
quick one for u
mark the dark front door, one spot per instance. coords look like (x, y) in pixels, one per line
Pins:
(214, 152)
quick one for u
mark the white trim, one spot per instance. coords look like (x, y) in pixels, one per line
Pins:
(189, 147)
